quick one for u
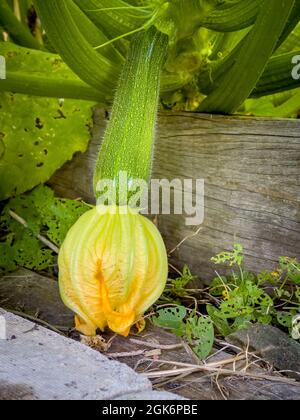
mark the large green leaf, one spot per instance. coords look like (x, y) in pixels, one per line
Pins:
(171, 318)
(41, 73)
(38, 135)
(39, 63)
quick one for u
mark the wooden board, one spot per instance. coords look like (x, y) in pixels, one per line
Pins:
(37, 296)
(251, 169)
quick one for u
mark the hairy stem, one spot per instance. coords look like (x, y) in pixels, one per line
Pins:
(129, 138)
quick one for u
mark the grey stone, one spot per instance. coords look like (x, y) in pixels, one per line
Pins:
(36, 363)
(273, 345)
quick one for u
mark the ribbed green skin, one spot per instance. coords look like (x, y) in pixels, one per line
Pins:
(128, 141)
(238, 83)
(19, 32)
(277, 76)
(114, 22)
(93, 34)
(91, 66)
(238, 16)
(293, 21)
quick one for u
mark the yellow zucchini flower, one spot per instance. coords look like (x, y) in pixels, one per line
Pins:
(113, 266)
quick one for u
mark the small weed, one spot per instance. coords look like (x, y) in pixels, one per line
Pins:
(240, 299)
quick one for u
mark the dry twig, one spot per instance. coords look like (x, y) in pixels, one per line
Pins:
(184, 240)
(154, 345)
(41, 238)
(152, 353)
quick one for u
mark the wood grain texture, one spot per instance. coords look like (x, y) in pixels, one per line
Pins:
(251, 169)
(35, 295)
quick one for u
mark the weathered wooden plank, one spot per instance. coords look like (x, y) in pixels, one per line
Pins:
(251, 169)
(32, 294)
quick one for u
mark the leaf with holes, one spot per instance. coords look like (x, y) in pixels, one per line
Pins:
(257, 296)
(45, 214)
(200, 332)
(234, 257)
(38, 135)
(235, 306)
(171, 318)
(222, 325)
(285, 319)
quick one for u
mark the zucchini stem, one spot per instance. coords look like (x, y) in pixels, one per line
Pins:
(128, 142)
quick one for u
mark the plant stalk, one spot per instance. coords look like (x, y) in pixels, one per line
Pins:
(28, 84)
(251, 59)
(91, 66)
(128, 142)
